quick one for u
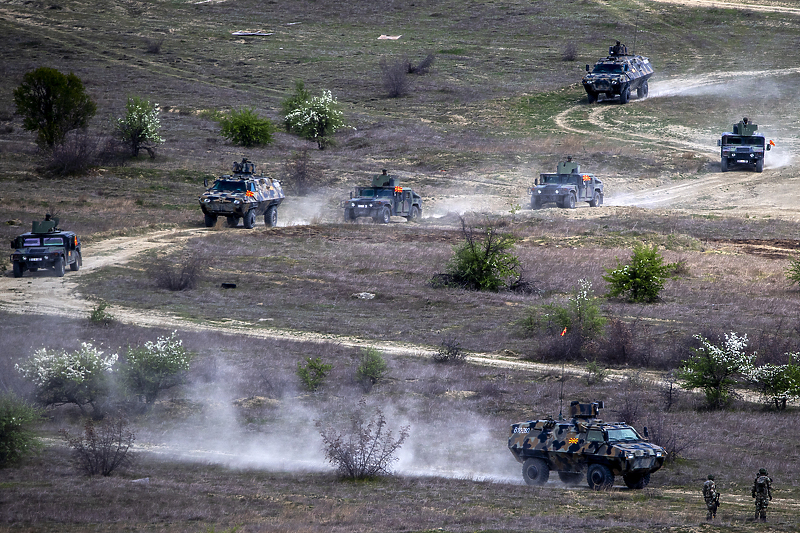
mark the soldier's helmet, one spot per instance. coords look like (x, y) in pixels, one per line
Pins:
(711, 477)
(763, 471)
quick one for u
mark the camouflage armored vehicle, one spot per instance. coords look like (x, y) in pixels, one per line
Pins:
(584, 446)
(618, 75)
(384, 199)
(242, 195)
(46, 247)
(567, 187)
(743, 146)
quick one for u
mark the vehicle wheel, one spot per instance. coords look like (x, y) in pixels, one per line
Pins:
(723, 164)
(271, 216)
(599, 477)
(643, 90)
(59, 267)
(535, 471)
(76, 265)
(637, 481)
(592, 97)
(569, 201)
(595, 201)
(600, 201)
(385, 216)
(760, 165)
(249, 219)
(17, 269)
(349, 216)
(210, 221)
(625, 95)
(570, 478)
(233, 222)
(536, 203)
(413, 215)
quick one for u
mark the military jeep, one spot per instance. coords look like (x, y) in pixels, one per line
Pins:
(617, 76)
(242, 195)
(46, 247)
(743, 146)
(567, 187)
(584, 446)
(383, 200)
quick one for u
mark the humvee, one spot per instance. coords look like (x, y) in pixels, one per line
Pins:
(567, 187)
(383, 200)
(743, 146)
(46, 247)
(584, 446)
(617, 75)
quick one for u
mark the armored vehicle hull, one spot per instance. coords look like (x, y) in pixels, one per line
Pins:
(242, 196)
(567, 187)
(584, 446)
(46, 248)
(383, 200)
(618, 76)
(743, 146)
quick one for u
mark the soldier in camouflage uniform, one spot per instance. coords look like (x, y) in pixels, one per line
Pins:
(711, 496)
(762, 492)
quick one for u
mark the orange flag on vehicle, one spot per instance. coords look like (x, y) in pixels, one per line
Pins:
(564, 332)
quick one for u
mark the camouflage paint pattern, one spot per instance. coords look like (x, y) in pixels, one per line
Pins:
(616, 74)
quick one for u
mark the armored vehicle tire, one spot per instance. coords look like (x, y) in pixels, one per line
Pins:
(249, 219)
(58, 266)
(76, 265)
(643, 90)
(599, 477)
(271, 216)
(17, 269)
(536, 203)
(723, 164)
(210, 221)
(570, 478)
(637, 481)
(592, 97)
(413, 214)
(569, 201)
(595, 201)
(535, 471)
(760, 165)
(624, 95)
(233, 222)
(385, 216)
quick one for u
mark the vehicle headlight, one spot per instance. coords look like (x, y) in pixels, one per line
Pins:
(207, 200)
(659, 454)
(237, 202)
(629, 455)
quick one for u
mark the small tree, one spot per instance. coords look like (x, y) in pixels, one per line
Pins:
(793, 271)
(642, 279)
(150, 369)
(301, 172)
(371, 367)
(140, 127)
(778, 384)
(81, 377)
(299, 99)
(52, 104)
(715, 369)
(395, 76)
(244, 127)
(313, 373)
(102, 447)
(364, 450)
(316, 119)
(17, 438)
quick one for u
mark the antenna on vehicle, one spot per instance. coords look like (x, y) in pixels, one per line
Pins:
(561, 394)
(635, 31)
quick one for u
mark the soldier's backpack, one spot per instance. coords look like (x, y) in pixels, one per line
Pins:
(761, 484)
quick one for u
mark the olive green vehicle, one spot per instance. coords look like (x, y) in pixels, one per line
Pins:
(46, 247)
(384, 199)
(242, 195)
(743, 146)
(584, 446)
(567, 187)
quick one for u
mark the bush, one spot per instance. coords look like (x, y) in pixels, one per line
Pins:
(98, 315)
(777, 384)
(81, 377)
(52, 104)
(313, 373)
(570, 52)
(423, 67)
(449, 351)
(316, 119)
(372, 367)
(395, 76)
(301, 173)
(77, 153)
(156, 366)
(140, 127)
(294, 102)
(366, 449)
(177, 275)
(793, 271)
(244, 127)
(102, 447)
(17, 439)
(642, 279)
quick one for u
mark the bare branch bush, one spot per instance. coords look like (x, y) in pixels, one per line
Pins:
(102, 447)
(394, 75)
(178, 274)
(570, 52)
(154, 45)
(423, 67)
(449, 351)
(302, 174)
(77, 153)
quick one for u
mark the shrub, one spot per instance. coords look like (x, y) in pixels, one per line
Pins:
(156, 366)
(793, 271)
(372, 367)
(177, 275)
(244, 127)
(395, 76)
(81, 377)
(140, 127)
(77, 152)
(17, 439)
(52, 104)
(98, 315)
(449, 351)
(595, 373)
(102, 447)
(570, 52)
(313, 373)
(294, 102)
(316, 119)
(423, 67)
(777, 384)
(301, 173)
(642, 279)
(366, 449)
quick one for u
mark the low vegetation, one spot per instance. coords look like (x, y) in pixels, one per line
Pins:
(244, 127)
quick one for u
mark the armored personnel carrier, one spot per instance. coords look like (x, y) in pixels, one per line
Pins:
(618, 75)
(383, 200)
(567, 187)
(46, 247)
(584, 446)
(242, 195)
(743, 146)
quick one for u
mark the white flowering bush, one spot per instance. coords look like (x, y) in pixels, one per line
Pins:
(777, 384)
(140, 127)
(156, 366)
(316, 119)
(81, 377)
(17, 438)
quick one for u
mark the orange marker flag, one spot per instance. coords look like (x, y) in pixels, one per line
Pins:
(564, 332)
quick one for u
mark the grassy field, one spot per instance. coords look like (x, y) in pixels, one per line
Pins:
(237, 447)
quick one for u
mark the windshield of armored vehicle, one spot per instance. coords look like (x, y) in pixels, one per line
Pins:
(31, 241)
(607, 68)
(623, 435)
(746, 141)
(229, 186)
(550, 178)
(53, 241)
(385, 193)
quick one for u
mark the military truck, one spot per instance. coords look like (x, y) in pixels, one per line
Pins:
(242, 195)
(584, 446)
(383, 200)
(743, 146)
(46, 247)
(617, 76)
(567, 187)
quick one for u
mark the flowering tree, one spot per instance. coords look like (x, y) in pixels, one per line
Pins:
(316, 119)
(777, 384)
(156, 366)
(81, 377)
(140, 127)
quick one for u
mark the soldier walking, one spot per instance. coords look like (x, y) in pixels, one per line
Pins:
(762, 492)
(711, 496)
